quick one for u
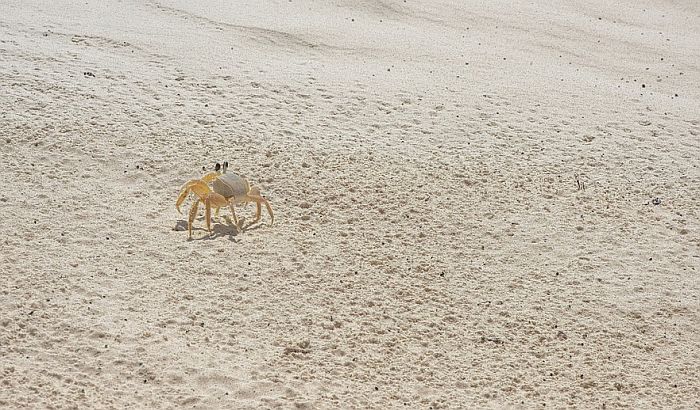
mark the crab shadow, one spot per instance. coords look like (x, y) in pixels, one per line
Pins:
(221, 228)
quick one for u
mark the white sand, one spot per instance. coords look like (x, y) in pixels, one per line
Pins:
(431, 248)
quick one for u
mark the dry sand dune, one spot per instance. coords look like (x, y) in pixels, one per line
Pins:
(432, 247)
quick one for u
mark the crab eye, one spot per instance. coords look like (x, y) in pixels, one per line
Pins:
(217, 167)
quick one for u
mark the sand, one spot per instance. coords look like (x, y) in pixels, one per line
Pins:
(485, 205)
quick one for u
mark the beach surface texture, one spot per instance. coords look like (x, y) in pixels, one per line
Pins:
(478, 204)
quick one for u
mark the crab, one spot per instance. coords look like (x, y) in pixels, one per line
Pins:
(228, 190)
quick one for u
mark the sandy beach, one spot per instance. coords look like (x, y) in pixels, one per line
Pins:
(477, 204)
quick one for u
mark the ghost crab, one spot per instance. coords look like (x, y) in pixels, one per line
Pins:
(228, 190)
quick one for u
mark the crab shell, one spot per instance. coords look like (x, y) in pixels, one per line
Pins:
(231, 186)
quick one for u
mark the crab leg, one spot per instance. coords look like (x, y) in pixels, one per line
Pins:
(207, 214)
(233, 211)
(258, 208)
(260, 200)
(193, 215)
